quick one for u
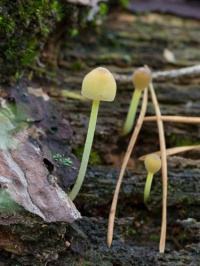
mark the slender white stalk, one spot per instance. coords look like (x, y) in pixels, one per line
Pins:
(131, 113)
(87, 149)
(147, 188)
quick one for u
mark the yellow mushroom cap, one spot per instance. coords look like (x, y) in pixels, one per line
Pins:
(152, 163)
(142, 78)
(99, 84)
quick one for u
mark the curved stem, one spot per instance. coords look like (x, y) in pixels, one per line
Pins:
(172, 151)
(131, 113)
(147, 188)
(133, 139)
(87, 149)
(164, 169)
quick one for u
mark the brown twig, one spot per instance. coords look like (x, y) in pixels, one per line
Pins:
(179, 119)
(173, 151)
(164, 169)
(123, 168)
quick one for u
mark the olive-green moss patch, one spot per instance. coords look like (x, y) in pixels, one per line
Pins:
(94, 156)
(24, 25)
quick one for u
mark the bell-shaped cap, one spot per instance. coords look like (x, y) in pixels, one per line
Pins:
(99, 84)
(152, 163)
(142, 78)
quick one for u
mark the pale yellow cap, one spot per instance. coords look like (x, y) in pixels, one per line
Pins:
(99, 84)
(142, 78)
(152, 163)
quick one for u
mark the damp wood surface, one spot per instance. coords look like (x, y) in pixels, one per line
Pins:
(125, 41)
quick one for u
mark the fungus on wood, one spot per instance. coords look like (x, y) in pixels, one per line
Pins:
(98, 85)
(153, 164)
(141, 80)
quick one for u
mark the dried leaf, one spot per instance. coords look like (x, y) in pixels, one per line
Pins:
(169, 56)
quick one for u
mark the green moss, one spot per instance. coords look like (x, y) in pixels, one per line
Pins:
(182, 236)
(123, 3)
(63, 160)
(103, 9)
(74, 32)
(77, 65)
(177, 141)
(24, 26)
(170, 188)
(29, 53)
(94, 156)
(155, 237)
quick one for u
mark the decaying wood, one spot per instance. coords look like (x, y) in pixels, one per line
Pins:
(183, 187)
(124, 165)
(84, 242)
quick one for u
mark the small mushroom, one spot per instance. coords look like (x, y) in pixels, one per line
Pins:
(153, 164)
(98, 85)
(141, 79)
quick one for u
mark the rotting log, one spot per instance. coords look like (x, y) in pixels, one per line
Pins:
(33, 242)
(183, 187)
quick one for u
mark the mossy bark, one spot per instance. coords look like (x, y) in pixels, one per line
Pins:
(183, 185)
(24, 26)
(32, 242)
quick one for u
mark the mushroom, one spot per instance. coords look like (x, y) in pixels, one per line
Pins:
(153, 164)
(141, 80)
(98, 85)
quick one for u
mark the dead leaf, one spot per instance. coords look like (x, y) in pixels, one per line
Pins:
(169, 56)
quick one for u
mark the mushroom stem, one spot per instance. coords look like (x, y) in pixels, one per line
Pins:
(147, 188)
(131, 113)
(87, 149)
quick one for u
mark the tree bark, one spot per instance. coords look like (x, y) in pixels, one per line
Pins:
(183, 187)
